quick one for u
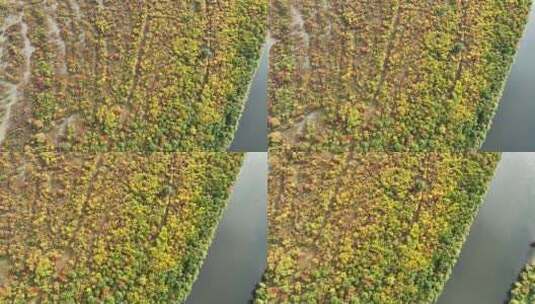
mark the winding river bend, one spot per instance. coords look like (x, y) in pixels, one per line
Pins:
(513, 126)
(237, 257)
(498, 246)
(252, 132)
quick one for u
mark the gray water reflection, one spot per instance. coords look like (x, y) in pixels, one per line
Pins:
(237, 258)
(252, 132)
(513, 126)
(498, 246)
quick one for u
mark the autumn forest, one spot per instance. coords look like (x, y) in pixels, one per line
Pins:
(267, 151)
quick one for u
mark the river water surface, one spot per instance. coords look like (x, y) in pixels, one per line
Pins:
(498, 246)
(252, 133)
(513, 127)
(237, 257)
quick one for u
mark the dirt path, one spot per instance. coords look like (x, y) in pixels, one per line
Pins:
(55, 37)
(12, 92)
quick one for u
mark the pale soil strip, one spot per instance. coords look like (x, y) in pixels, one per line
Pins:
(55, 36)
(14, 91)
(62, 129)
(299, 24)
(299, 129)
(27, 51)
(75, 6)
(299, 119)
(9, 92)
(10, 21)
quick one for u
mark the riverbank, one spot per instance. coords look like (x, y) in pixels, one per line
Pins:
(499, 240)
(322, 101)
(340, 234)
(250, 132)
(237, 256)
(523, 291)
(513, 125)
(109, 227)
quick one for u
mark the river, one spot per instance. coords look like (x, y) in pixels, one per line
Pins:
(498, 246)
(252, 132)
(237, 257)
(513, 126)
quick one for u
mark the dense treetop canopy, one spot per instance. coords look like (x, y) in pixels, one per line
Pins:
(126, 75)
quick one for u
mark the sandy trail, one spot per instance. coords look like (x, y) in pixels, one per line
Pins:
(75, 6)
(55, 37)
(298, 23)
(12, 92)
